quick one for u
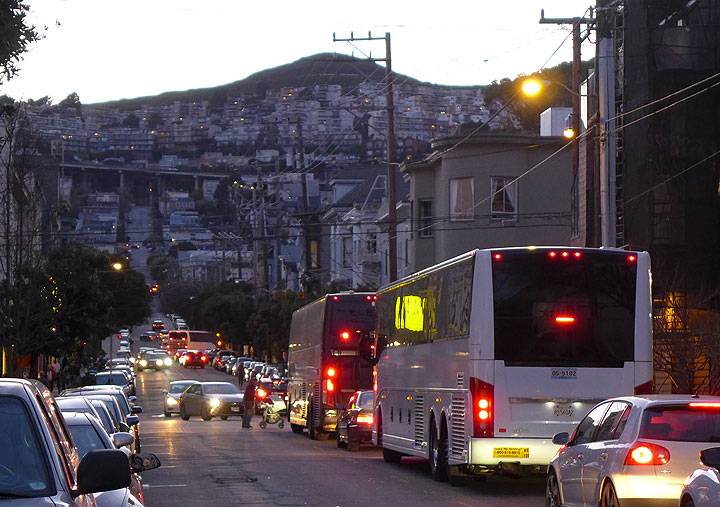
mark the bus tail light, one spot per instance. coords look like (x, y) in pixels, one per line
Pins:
(644, 453)
(329, 385)
(483, 408)
(345, 335)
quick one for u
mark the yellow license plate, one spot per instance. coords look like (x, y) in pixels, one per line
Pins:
(511, 452)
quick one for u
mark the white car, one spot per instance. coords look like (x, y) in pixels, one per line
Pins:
(633, 451)
(702, 488)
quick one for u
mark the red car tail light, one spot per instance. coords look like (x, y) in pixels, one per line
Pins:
(644, 453)
(261, 393)
(483, 401)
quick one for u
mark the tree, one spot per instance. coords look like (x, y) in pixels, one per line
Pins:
(16, 35)
(72, 101)
(269, 325)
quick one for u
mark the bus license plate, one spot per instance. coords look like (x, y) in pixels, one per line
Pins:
(511, 452)
(235, 409)
(563, 410)
(564, 373)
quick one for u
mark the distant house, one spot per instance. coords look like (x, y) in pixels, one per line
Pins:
(491, 190)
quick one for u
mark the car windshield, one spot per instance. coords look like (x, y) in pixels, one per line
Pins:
(86, 439)
(179, 388)
(683, 423)
(116, 379)
(21, 453)
(366, 401)
(223, 388)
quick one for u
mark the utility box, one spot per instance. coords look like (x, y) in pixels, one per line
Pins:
(553, 121)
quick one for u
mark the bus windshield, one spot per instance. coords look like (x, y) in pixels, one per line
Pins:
(557, 310)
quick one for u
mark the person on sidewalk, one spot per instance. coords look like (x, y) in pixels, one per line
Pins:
(249, 402)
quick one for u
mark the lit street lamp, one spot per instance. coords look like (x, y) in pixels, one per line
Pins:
(117, 266)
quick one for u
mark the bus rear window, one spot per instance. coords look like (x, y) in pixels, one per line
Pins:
(681, 424)
(564, 311)
(350, 319)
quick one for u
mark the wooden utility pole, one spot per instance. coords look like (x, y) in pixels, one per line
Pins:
(305, 207)
(391, 146)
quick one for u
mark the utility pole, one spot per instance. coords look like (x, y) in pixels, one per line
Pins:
(391, 146)
(305, 206)
(259, 235)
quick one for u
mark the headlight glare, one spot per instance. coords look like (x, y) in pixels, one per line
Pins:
(214, 402)
(159, 362)
(171, 401)
(143, 363)
(167, 361)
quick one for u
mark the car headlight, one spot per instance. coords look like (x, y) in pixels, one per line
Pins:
(132, 360)
(143, 363)
(214, 403)
(167, 361)
(159, 362)
(171, 401)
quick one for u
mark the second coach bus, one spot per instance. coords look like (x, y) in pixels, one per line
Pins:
(483, 358)
(329, 358)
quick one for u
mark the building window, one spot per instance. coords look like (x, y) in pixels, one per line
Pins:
(371, 244)
(425, 212)
(347, 253)
(407, 252)
(503, 197)
(462, 199)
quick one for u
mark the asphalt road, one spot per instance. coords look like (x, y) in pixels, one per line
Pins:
(219, 463)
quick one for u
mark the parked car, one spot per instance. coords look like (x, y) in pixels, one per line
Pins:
(115, 378)
(209, 399)
(220, 357)
(172, 396)
(635, 450)
(89, 436)
(355, 423)
(702, 487)
(82, 405)
(45, 466)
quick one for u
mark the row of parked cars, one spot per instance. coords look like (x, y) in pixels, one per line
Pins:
(79, 449)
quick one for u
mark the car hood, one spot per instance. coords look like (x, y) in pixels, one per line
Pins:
(227, 398)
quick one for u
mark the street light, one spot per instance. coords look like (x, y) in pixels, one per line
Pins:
(117, 266)
(532, 87)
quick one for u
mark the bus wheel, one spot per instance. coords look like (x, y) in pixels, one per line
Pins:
(296, 428)
(438, 455)
(312, 430)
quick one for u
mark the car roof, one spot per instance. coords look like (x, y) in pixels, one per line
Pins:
(184, 382)
(647, 400)
(216, 383)
(77, 418)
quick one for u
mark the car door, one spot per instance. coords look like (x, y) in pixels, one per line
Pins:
(570, 460)
(192, 399)
(603, 450)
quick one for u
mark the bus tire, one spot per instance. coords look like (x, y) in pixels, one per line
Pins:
(296, 428)
(312, 430)
(438, 454)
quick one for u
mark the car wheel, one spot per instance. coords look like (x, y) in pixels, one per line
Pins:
(206, 415)
(552, 491)
(438, 455)
(687, 501)
(183, 413)
(167, 414)
(281, 424)
(224, 417)
(296, 428)
(353, 446)
(340, 443)
(608, 497)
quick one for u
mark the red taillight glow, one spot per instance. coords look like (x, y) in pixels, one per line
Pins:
(204, 359)
(577, 255)
(564, 319)
(336, 298)
(261, 393)
(565, 255)
(552, 255)
(705, 404)
(631, 258)
(482, 395)
(365, 419)
(329, 385)
(644, 453)
(331, 372)
(345, 335)
(497, 257)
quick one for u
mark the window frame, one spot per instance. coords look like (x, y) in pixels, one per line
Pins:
(347, 240)
(504, 215)
(595, 425)
(454, 217)
(425, 222)
(613, 434)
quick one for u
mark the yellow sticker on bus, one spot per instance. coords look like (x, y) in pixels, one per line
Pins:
(511, 452)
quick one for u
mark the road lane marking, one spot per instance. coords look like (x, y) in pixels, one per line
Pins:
(164, 486)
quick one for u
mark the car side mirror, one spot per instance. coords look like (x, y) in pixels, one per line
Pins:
(144, 462)
(132, 399)
(561, 438)
(164, 392)
(122, 439)
(124, 427)
(133, 420)
(137, 409)
(710, 457)
(102, 470)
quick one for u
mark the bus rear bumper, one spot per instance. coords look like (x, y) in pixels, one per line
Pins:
(512, 455)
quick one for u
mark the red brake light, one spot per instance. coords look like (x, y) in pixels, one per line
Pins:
(631, 258)
(705, 404)
(204, 359)
(497, 257)
(643, 453)
(261, 393)
(329, 385)
(552, 255)
(564, 319)
(336, 298)
(331, 372)
(482, 395)
(565, 255)
(345, 335)
(577, 255)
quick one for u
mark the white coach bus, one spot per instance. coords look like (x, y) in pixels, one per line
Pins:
(483, 358)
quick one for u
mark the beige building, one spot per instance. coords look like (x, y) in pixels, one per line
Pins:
(491, 190)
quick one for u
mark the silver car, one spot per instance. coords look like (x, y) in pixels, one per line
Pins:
(702, 488)
(171, 400)
(633, 451)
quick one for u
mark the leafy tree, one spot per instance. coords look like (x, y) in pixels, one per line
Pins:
(162, 267)
(16, 35)
(72, 101)
(269, 325)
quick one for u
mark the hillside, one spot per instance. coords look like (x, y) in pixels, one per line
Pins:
(322, 68)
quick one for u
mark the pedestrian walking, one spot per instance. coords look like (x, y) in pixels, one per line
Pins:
(249, 403)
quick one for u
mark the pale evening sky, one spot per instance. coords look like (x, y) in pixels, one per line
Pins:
(111, 49)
